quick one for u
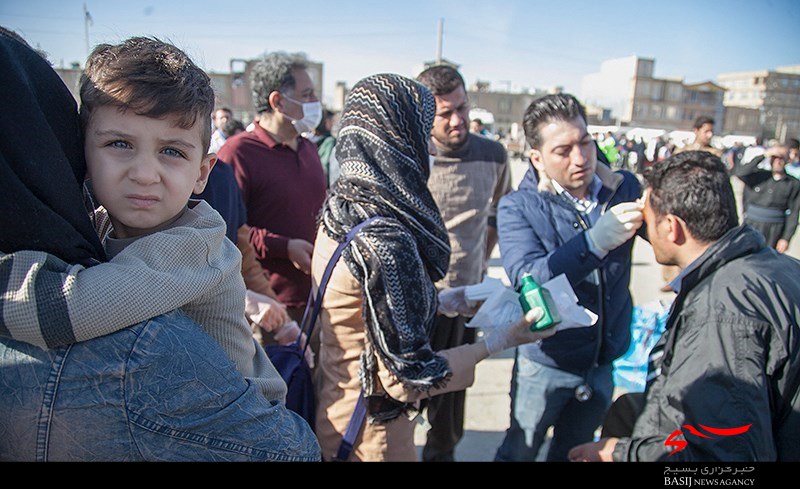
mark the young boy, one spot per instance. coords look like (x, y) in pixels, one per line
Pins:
(145, 108)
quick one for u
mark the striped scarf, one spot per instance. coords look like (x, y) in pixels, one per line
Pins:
(383, 151)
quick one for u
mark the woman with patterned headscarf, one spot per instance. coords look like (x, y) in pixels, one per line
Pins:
(380, 303)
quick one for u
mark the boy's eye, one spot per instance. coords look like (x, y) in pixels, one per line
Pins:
(119, 144)
(173, 152)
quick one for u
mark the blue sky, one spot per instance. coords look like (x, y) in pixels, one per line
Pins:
(517, 43)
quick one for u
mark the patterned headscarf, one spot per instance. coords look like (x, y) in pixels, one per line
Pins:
(383, 151)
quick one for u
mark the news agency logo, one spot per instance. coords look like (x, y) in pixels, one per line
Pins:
(679, 445)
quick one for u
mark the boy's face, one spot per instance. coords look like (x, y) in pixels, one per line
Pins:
(144, 170)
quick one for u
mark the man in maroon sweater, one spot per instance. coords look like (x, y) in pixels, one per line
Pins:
(280, 175)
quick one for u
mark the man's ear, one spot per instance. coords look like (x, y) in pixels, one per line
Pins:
(206, 165)
(275, 99)
(677, 232)
(537, 161)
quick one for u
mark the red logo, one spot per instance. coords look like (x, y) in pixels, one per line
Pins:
(681, 444)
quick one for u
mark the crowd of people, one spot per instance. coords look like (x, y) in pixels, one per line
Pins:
(153, 249)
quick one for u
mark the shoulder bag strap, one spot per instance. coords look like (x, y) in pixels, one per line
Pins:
(314, 305)
(309, 321)
(352, 430)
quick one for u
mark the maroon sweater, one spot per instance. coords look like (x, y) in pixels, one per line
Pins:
(283, 192)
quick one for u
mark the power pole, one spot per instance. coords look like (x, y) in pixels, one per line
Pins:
(441, 36)
(87, 21)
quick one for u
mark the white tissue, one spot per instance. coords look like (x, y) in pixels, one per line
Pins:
(484, 290)
(502, 306)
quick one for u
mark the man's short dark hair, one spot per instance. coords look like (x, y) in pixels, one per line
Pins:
(695, 186)
(232, 127)
(702, 120)
(441, 80)
(557, 107)
(274, 73)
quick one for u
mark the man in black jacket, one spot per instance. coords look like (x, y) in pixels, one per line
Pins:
(723, 381)
(772, 198)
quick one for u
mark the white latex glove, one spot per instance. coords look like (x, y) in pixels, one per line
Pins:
(453, 302)
(264, 311)
(515, 334)
(287, 333)
(616, 226)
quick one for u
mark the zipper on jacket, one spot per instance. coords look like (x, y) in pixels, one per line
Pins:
(600, 303)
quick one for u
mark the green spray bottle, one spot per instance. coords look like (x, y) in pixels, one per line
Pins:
(532, 295)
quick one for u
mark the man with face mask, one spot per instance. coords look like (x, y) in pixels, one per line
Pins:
(280, 175)
(468, 176)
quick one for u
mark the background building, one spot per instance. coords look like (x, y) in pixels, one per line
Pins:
(767, 103)
(635, 97)
(508, 108)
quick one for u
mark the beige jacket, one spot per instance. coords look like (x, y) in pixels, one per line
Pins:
(337, 383)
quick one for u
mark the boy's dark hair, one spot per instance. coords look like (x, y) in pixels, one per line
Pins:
(695, 186)
(232, 127)
(150, 77)
(794, 143)
(557, 107)
(702, 120)
(274, 73)
(441, 79)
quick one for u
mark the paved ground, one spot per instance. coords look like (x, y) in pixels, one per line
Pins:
(488, 402)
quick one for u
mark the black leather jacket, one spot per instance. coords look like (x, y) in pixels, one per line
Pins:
(731, 359)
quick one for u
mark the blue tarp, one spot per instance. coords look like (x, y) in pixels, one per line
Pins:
(647, 326)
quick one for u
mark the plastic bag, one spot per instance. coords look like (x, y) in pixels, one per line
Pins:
(647, 325)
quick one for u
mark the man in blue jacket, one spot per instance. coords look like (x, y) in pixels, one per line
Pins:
(576, 218)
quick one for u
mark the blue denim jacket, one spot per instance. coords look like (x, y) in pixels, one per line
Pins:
(159, 391)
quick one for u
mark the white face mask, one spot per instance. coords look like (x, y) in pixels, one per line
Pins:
(312, 116)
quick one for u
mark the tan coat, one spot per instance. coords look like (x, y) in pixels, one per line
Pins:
(337, 384)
